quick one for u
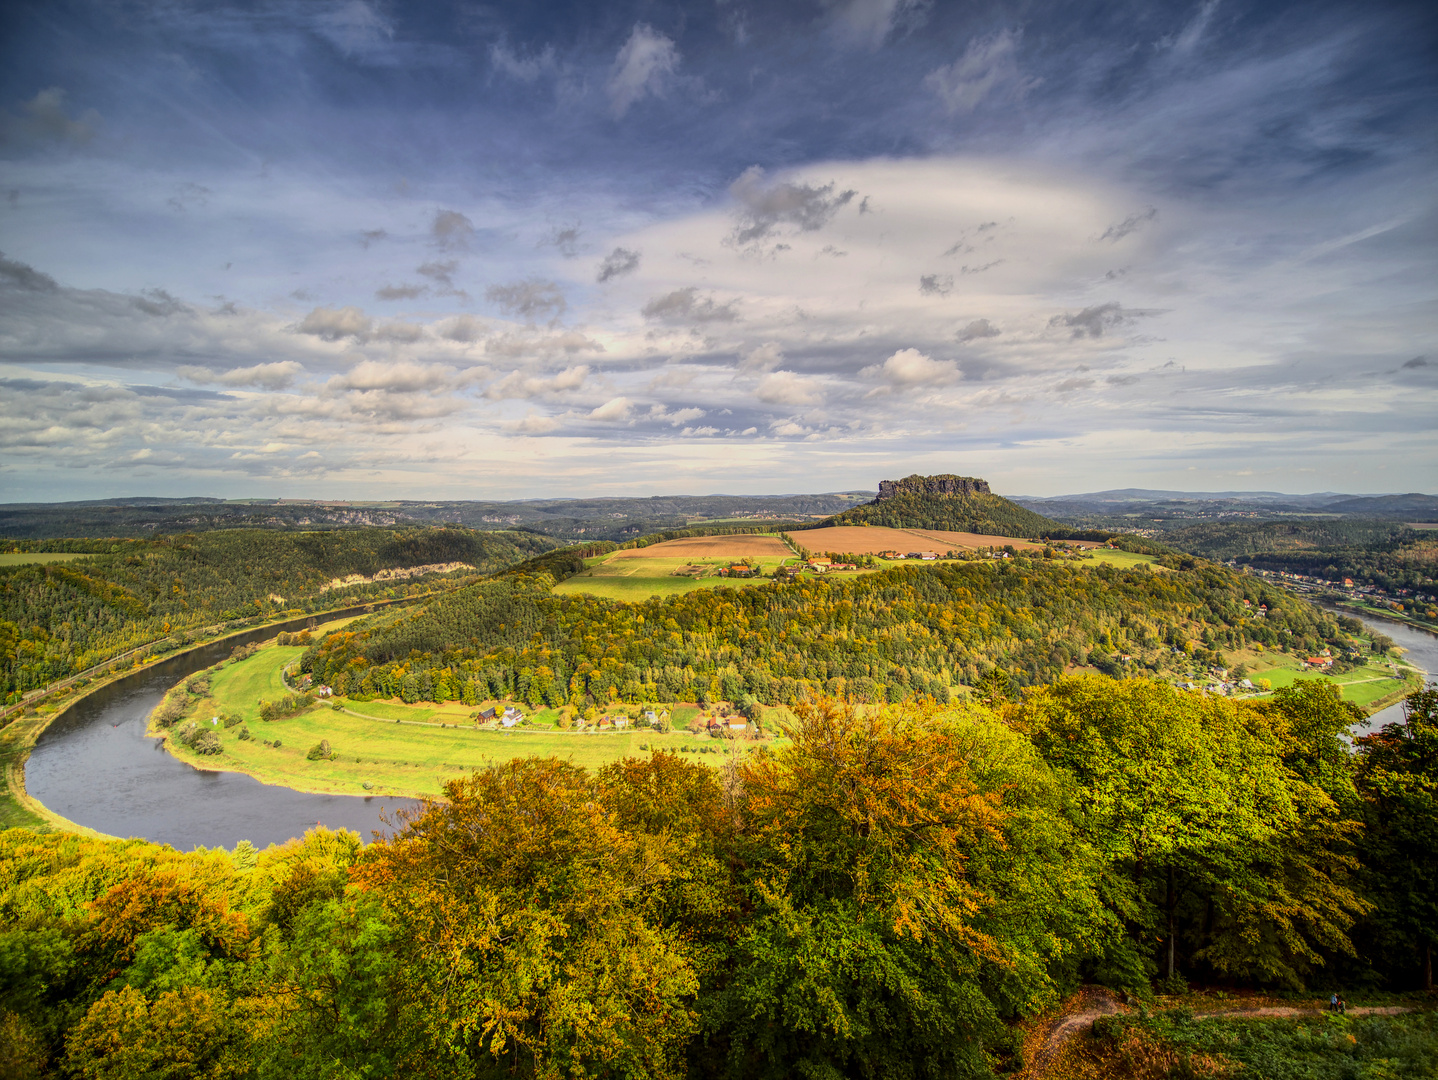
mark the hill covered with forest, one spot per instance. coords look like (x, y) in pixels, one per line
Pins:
(949, 503)
(59, 618)
(897, 634)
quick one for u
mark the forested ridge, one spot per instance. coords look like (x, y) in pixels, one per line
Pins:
(60, 618)
(885, 896)
(887, 636)
(984, 513)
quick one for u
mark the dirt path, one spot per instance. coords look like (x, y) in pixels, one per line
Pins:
(1094, 1002)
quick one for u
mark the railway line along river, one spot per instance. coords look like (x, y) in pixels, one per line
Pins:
(96, 766)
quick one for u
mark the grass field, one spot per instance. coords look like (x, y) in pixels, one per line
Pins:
(1362, 686)
(20, 558)
(1121, 559)
(676, 566)
(397, 749)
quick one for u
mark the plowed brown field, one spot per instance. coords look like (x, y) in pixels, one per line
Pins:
(872, 539)
(700, 547)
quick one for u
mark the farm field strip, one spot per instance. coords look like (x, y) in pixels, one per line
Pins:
(23, 558)
(736, 547)
(872, 539)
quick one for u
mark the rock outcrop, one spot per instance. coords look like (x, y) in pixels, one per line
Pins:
(944, 484)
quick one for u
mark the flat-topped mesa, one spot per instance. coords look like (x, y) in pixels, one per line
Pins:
(944, 484)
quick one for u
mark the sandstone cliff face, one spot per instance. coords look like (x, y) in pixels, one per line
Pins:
(945, 484)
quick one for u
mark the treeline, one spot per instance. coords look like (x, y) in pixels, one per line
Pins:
(885, 896)
(1410, 563)
(60, 618)
(903, 633)
(991, 515)
(1231, 540)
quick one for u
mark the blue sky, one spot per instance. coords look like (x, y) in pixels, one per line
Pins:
(357, 249)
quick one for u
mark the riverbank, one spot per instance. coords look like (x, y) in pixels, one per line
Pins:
(18, 738)
(380, 747)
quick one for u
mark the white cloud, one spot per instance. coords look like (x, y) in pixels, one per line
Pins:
(332, 324)
(909, 367)
(644, 67)
(614, 409)
(867, 23)
(533, 424)
(988, 68)
(518, 384)
(404, 377)
(274, 376)
(787, 388)
(765, 357)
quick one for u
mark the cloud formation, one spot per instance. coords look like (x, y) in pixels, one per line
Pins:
(643, 68)
(451, 230)
(763, 206)
(687, 306)
(618, 262)
(987, 70)
(532, 300)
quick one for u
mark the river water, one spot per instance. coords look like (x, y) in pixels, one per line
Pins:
(1422, 652)
(96, 766)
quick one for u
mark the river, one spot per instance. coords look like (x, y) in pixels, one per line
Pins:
(1422, 652)
(96, 766)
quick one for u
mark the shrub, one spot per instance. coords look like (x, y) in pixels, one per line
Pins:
(230, 719)
(188, 733)
(245, 733)
(199, 686)
(168, 712)
(320, 751)
(208, 742)
(289, 705)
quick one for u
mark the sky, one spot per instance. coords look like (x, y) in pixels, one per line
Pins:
(354, 249)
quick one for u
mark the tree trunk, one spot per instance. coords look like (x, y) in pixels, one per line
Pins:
(1172, 919)
(1428, 967)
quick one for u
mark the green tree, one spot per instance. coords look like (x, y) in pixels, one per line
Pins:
(1398, 777)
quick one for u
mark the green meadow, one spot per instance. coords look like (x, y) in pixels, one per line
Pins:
(635, 579)
(20, 558)
(1363, 686)
(394, 748)
(1122, 559)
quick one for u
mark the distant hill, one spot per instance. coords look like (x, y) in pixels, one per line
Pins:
(947, 502)
(1167, 505)
(1413, 506)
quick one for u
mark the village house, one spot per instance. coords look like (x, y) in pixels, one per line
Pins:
(511, 716)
